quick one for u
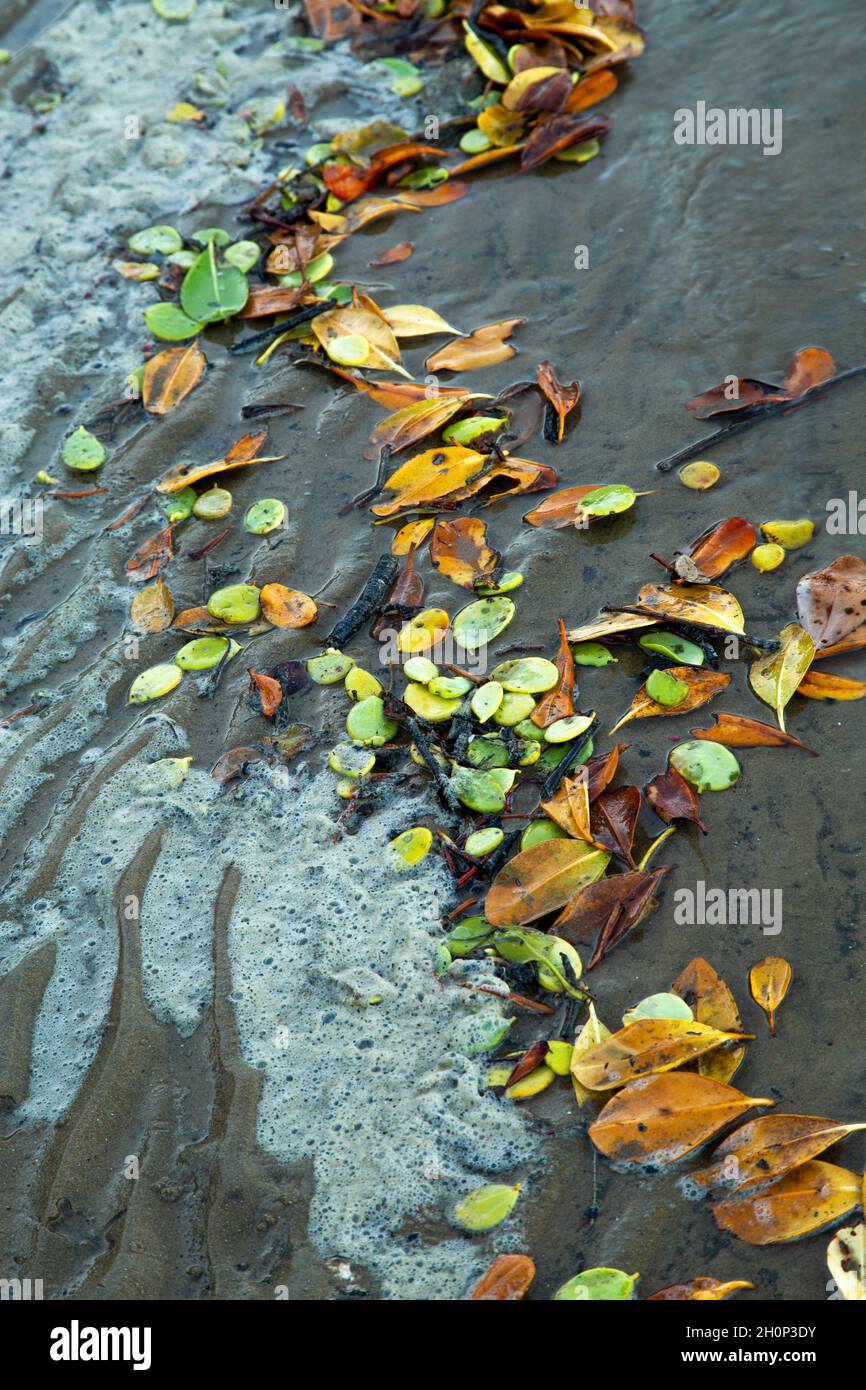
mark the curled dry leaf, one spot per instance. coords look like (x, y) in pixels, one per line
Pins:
(243, 451)
(769, 982)
(820, 685)
(703, 685)
(558, 703)
(736, 731)
(459, 550)
(169, 376)
(701, 605)
(673, 799)
(660, 1119)
(647, 1046)
(150, 557)
(506, 1281)
(152, 608)
(562, 399)
(703, 1288)
(484, 347)
(266, 692)
(831, 603)
(569, 806)
(284, 607)
(541, 879)
(846, 1261)
(805, 1200)
(712, 1002)
(775, 676)
(759, 1153)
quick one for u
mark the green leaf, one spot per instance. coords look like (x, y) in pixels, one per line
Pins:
(480, 622)
(559, 965)
(83, 452)
(167, 320)
(485, 1207)
(598, 1284)
(155, 240)
(775, 676)
(210, 292)
(709, 766)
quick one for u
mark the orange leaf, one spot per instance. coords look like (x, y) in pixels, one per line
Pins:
(821, 685)
(811, 366)
(541, 879)
(506, 1280)
(558, 703)
(459, 550)
(415, 421)
(810, 1197)
(482, 348)
(736, 731)
(150, 557)
(401, 252)
(552, 134)
(720, 547)
(170, 376)
(702, 685)
(562, 398)
(759, 1153)
(769, 981)
(659, 1119)
(589, 91)
(269, 691)
(243, 451)
(712, 1002)
(703, 1287)
(644, 1047)
(286, 607)
(153, 608)
(271, 299)
(563, 509)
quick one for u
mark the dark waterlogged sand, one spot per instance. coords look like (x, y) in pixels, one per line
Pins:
(703, 262)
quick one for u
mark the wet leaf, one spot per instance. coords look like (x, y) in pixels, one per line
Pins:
(410, 536)
(809, 1198)
(609, 625)
(727, 400)
(651, 1045)
(612, 907)
(243, 451)
(82, 451)
(820, 685)
(415, 421)
(349, 320)
(268, 693)
(477, 789)
(759, 1153)
(562, 509)
(152, 608)
(285, 607)
(480, 622)
(558, 702)
(394, 254)
(234, 764)
(831, 602)
(562, 398)
(673, 799)
(769, 982)
(429, 476)
(409, 848)
(811, 366)
(710, 767)
(703, 1288)
(602, 770)
(415, 321)
(485, 1207)
(272, 299)
(211, 292)
(702, 605)
(235, 603)
(712, 1002)
(613, 820)
(484, 347)
(558, 965)
(202, 653)
(846, 1261)
(658, 1006)
(598, 1285)
(169, 376)
(151, 556)
(591, 1034)
(506, 1281)
(736, 731)
(701, 685)
(459, 550)
(554, 133)
(854, 642)
(659, 1119)
(424, 631)
(153, 683)
(368, 724)
(775, 676)
(542, 879)
(722, 546)
(484, 55)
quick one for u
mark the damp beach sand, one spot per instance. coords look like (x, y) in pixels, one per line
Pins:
(198, 1099)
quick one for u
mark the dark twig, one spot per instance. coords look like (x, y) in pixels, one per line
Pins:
(368, 602)
(446, 792)
(553, 779)
(254, 341)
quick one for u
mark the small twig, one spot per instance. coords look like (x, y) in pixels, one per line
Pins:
(368, 602)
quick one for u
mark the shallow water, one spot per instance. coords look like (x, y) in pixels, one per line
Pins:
(155, 1037)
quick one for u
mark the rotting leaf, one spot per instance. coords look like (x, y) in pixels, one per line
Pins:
(736, 731)
(613, 820)
(169, 377)
(542, 879)
(712, 1002)
(283, 607)
(562, 399)
(701, 605)
(483, 347)
(702, 685)
(659, 1119)
(506, 1281)
(775, 676)
(831, 602)
(846, 1261)
(641, 1049)
(554, 133)
(612, 906)
(672, 799)
(769, 982)
(757, 1154)
(805, 1200)
(459, 550)
(152, 608)
(151, 556)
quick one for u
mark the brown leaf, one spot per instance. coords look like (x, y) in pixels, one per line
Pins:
(150, 557)
(286, 607)
(614, 818)
(526, 475)
(769, 982)
(552, 134)
(821, 685)
(558, 703)
(726, 400)
(562, 398)
(712, 1002)
(736, 731)
(831, 603)
(812, 1196)
(703, 685)
(267, 691)
(332, 19)
(532, 1058)
(235, 762)
(759, 1153)
(722, 546)
(704, 1287)
(673, 799)
(243, 451)
(401, 252)
(645, 1047)
(506, 1281)
(271, 299)
(661, 1118)
(541, 879)
(484, 347)
(562, 509)
(811, 366)
(569, 806)
(169, 376)
(602, 770)
(152, 608)
(612, 907)
(459, 550)
(408, 587)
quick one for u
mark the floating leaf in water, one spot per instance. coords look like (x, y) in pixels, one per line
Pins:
(702, 1288)
(598, 1285)
(790, 534)
(809, 368)
(651, 1045)
(658, 1119)
(702, 605)
(236, 603)
(211, 292)
(832, 602)
(722, 546)
(846, 1261)
(775, 676)
(701, 685)
(286, 607)
(709, 766)
(558, 702)
(478, 623)
(542, 879)
(153, 683)
(712, 1002)
(484, 347)
(665, 689)
(268, 692)
(459, 550)
(82, 451)
(506, 1281)
(527, 675)
(244, 451)
(264, 516)
(212, 505)
(415, 321)
(672, 799)
(410, 536)
(167, 320)
(485, 1207)
(394, 254)
(769, 982)
(736, 731)
(564, 508)
(767, 557)
(699, 475)
(561, 399)
(152, 608)
(367, 722)
(759, 1153)
(409, 848)
(591, 1034)
(592, 654)
(820, 685)
(805, 1200)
